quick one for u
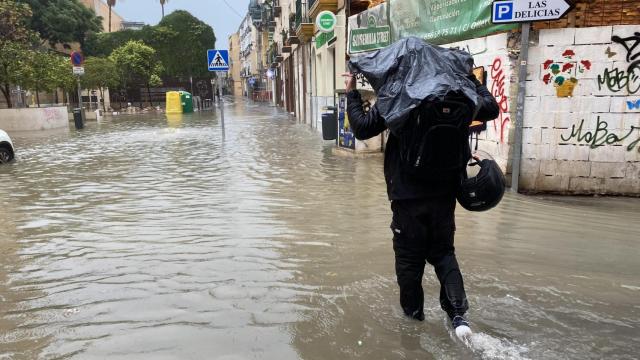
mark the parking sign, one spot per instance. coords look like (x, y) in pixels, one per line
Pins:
(503, 11)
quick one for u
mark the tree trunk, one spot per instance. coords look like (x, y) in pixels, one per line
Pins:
(6, 91)
(37, 96)
(102, 97)
(109, 18)
(149, 95)
(162, 10)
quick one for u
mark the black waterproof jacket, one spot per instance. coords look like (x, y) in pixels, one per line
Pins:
(402, 186)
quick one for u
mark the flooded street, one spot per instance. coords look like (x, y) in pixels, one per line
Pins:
(152, 238)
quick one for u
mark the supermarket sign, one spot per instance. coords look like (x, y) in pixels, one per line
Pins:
(369, 30)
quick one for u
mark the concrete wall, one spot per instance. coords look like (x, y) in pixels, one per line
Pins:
(33, 119)
(582, 117)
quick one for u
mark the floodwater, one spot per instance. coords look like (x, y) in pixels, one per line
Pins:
(152, 238)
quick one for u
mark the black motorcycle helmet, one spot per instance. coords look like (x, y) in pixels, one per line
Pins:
(484, 190)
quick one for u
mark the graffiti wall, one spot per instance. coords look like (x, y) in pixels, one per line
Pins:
(582, 115)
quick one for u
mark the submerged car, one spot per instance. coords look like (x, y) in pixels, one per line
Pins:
(6, 148)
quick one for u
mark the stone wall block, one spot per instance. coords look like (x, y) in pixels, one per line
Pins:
(574, 168)
(587, 185)
(571, 152)
(549, 167)
(594, 35)
(607, 170)
(552, 183)
(557, 37)
(607, 153)
(622, 186)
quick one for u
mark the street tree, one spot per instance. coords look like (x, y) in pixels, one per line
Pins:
(15, 40)
(63, 77)
(110, 3)
(182, 53)
(137, 66)
(162, 2)
(100, 73)
(63, 21)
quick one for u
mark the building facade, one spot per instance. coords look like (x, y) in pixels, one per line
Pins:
(102, 9)
(581, 114)
(235, 66)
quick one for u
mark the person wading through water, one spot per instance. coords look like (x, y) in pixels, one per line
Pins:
(423, 223)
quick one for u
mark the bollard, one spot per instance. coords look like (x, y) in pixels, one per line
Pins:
(98, 115)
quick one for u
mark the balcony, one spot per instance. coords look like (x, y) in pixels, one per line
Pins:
(304, 27)
(358, 6)
(316, 6)
(286, 49)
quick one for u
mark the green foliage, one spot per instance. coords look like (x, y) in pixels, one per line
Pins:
(63, 21)
(184, 55)
(181, 42)
(103, 44)
(99, 73)
(14, 19)
(136, 63)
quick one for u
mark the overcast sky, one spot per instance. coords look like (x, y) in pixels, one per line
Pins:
(220, 16)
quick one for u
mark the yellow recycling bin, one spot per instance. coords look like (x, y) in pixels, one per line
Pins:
(174, 104)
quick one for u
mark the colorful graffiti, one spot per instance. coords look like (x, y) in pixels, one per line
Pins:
(633, 104)
(602, 135)
(562, 74)
(623, 80)
(498, 76)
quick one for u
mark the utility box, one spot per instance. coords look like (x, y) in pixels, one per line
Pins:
(174, 102)
(187, 102)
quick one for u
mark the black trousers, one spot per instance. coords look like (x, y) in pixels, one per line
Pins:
(423, 231)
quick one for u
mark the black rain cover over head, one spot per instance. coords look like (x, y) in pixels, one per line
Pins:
(410, 71)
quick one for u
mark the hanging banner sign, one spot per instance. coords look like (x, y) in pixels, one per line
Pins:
(369, 30)
(443, 21)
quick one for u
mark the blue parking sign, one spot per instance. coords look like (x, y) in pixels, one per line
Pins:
(218, 60)
(502, 11)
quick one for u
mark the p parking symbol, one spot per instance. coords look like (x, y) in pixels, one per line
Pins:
(504, 11)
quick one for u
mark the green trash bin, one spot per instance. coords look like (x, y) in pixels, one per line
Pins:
(187, 102)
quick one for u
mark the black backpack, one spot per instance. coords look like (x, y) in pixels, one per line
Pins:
(434, 143)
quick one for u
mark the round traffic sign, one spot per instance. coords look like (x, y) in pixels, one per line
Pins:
(326, 21)
(76, 58)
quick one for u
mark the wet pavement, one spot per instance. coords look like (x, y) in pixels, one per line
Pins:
(152, 238)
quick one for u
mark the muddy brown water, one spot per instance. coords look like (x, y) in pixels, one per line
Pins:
(152, 238)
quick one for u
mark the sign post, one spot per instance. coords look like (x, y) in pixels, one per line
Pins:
(76, 60)
(218, 62)
(525, 12)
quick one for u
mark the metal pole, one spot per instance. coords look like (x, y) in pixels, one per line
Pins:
(80, 99)
(219, 76)
(522, 87)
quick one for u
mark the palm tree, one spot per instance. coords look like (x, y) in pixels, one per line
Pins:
(111, 4)
(162, 2)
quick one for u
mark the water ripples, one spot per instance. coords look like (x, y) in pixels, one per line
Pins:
(146, 238)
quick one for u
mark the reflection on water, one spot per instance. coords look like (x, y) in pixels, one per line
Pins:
(151, 237)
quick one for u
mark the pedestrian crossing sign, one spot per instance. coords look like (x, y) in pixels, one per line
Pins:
(218, 60)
